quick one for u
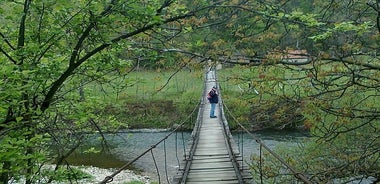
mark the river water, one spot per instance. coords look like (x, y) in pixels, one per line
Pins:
(168, 155)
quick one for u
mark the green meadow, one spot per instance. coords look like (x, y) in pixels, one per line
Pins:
(259, 97)
(150, 99)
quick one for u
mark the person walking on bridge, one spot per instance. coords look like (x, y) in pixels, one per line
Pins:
(212, 97)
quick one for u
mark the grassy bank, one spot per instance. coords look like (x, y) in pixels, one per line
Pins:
(258, 99)
(150, 99)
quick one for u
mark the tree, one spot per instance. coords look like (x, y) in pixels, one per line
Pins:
(335, 89)
(51, 48)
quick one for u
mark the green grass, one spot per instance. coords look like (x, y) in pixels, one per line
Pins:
(64, 174)
(150, 99)
(276, 84)
(150, 85)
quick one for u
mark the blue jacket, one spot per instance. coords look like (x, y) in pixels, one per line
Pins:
(212, 96)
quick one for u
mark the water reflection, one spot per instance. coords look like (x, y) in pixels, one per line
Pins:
(102, 159)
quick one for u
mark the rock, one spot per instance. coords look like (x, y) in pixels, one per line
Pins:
(121, 178)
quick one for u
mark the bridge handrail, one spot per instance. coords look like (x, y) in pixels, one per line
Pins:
(228, 135)
(298, 174)
(194, 135)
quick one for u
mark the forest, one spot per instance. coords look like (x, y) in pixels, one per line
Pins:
(313, 65)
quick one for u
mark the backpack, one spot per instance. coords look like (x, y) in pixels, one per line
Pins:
(210, 94)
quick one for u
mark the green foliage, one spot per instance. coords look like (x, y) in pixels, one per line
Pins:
(67, 174)
(274, 171)
(345, 143)
(19, 149)
(307, 19)
(344, 27)
(329, 160)
(52, 55)
(238, 107)
(265, 100)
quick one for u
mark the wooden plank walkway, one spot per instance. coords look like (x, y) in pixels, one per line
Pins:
(211, 162)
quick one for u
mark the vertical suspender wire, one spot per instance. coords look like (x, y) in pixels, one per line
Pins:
(176, 149)
(166, 163)
(239, 143)
(183, 146)
(261, 164)
(155, 164)
(242, 149)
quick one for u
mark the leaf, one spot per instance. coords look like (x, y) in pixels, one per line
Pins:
(19, 119)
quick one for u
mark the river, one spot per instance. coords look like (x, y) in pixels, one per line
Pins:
(168, 155)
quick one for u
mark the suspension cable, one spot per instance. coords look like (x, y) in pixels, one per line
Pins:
(299, 175)
(109, 178)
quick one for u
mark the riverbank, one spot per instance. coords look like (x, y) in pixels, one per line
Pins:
(97, 175)
(123, 177)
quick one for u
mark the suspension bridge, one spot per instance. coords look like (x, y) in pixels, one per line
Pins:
(211, 155)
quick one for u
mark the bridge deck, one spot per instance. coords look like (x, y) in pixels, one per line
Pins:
(211, 162)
